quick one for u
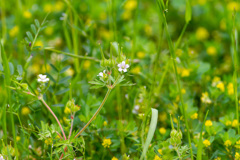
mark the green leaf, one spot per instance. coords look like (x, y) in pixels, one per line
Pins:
(64, 80)
(33, 28)
(54, 68)
(64, 69)
(11, 67)
(1, 67)
(29, 34)
(188, 13)
(20, 69)
(62, 91)
(151, 131)
(203, 68)
(37, 23)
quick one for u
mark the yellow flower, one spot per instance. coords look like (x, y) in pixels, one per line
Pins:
(59, 6)
(148, 30)
(227, 143)
(228, 123)
(130, 5)
(136, 70)
(208, 123)
(127, 15)
(39, 43)
(105, 123)
(202, 2)
(212, 51)
(140, 55)
(202, 34)
(86, 64)
(106, 142)
(114, 158)
(157, 158)
(206, 143)
(237, 144)
(220, 86)
(48, 141)
(194, 116)
(160, 151)
(25, 111)
(235, 123)
(231, 6)
(218, 158)
(185, 72)
(69, 72)
(49, 31)
(215, 81)
(237, 156)
(162, 130)
(230, 89)
(67, 110)
(183, 91)
(18, 138)
(205, 98)
(14, 31)
(27, 14)
(48, 7)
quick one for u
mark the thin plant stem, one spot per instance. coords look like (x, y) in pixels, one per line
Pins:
(173, 57)
(70, 132)
(50, 110)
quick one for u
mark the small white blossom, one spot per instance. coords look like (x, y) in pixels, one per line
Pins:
(42, 78)
(101, 73)
(123, 67)
(135, 109)
(64, 16)
(1, 157)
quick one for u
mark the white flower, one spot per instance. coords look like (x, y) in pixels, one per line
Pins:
(135, 109)
(42, 78)
(101, 73)
(64, 16)
(1, 157)
(123, 67)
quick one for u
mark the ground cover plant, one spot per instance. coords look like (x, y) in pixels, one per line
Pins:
(119, 80)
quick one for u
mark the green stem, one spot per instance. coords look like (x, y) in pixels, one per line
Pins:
(173, 57)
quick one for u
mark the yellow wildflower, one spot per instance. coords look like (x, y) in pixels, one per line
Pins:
(114, 158)
(27, 14)
(183, 91)
(235, 123)
(194, 116)
(231, 6)
(14, 31)
(228, 123)
(39, 43)
(140, 55)
(202, 34)
(157, 158)
(237, 144)
(18, 138)
(148, 30)
(218, 158)
(48, 7)
(48, 31)
(127, 15)
(86, 64)
(48, 141)
(105, 123)
(160, 151)
(230, 89)
(220, 86)
(130, 5)
(205, 98)
(67, 110)
(227, 143)
(162, 130)
(202, 2)
(208, 123)
(215, 81)
(237, 156)
(59, 6)
(185, 72)
(136, 70)
(212, 51)
(106, 142)
(70, 72)
(25, 111)
(206, 143)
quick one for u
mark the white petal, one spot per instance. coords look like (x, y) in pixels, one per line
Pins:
(126, 66)
(100, 74)
(120, 69)
(119, 65)
(123, 62)
(104, 71)
(39, 80)
(124, 70)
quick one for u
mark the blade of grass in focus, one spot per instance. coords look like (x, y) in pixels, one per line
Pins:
(152, 128)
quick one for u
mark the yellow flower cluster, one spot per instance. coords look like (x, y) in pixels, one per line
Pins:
(25, 111)
(230, 89)
(14, 31)
(235, 123)
(208, 123)
(237, 156)
(227, 143)
(220, 86)
(194, 116)
(157, 158)
(48, 141)
(114, 158)
(233, 6)
(228, 123)
(211, 50)
(162, 130)
(27, 14)
(237, 144)
(202, 34)
(106, 142)
(205, 98)
(206, 143)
